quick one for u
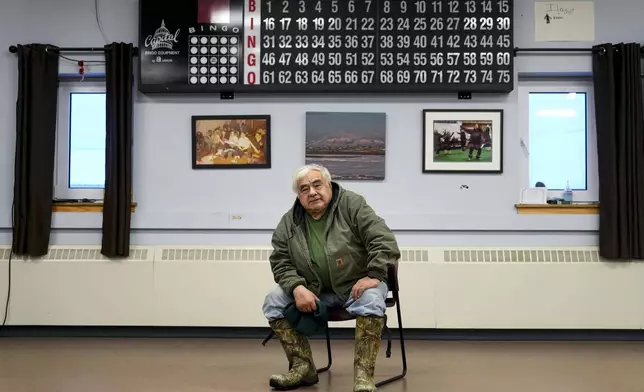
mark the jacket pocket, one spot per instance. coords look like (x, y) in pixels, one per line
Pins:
(347, 267)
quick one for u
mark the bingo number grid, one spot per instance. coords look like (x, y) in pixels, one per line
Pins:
(214, 59)
(394, 44)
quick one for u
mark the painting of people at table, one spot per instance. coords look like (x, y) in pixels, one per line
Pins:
(229, 142)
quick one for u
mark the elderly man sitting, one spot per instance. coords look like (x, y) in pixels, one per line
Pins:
(329, 249)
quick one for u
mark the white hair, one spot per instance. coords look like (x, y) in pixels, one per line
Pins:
(304, 170)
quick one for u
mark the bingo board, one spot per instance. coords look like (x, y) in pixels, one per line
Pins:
(318, 46)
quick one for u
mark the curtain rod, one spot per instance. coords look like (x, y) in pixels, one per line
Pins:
(582, 50)
(14, 49)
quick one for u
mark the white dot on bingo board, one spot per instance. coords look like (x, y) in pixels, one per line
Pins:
(194, 40)
(223, 50)
(223, 79)
(233, 70)
(204, 70)
(193, 70)
(223, 70)
(223, 60)
(213, 40)
(233, 60)
(233, 50)
(204, 50)
(204, 80)
(193, 50)
(233, 79)
(204, 40)
(213, 80)
(193, 80)
(213, 50)
(223, 40)
(204, 60)
(233, 40)
(213, 69)
(194, 60)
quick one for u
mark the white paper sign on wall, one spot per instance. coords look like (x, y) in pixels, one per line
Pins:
(564, 21)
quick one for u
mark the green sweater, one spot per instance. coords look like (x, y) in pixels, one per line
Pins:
(358, 243)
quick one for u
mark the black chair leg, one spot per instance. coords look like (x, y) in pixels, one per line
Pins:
(328, 350)
(269, 337)
(388, 331)
(402, 346)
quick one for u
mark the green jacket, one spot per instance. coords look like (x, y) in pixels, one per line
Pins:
(359, 244)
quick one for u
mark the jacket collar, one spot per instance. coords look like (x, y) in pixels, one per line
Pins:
(299, 211)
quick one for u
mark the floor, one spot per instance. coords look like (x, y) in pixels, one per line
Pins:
(200, 365)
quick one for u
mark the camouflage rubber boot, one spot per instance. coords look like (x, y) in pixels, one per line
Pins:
(367, 345)
(302, 371)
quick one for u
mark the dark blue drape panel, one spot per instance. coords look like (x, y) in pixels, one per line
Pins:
(118, 150)
(619, 112)
(33, 188)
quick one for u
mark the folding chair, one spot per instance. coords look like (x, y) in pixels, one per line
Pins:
(340, 314)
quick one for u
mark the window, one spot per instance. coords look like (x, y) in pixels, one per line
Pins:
(87, 141)
(558, 134)
(80, 154)
(559, 137)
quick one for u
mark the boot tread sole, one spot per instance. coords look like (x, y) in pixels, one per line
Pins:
(306, 382)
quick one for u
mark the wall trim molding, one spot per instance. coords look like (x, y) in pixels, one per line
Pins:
(266, 221)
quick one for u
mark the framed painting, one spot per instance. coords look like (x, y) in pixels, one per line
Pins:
(351, 145)
(231, 142)
(462, 141)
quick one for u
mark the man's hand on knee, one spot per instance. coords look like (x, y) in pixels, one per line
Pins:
(305, 300)
(362, 285)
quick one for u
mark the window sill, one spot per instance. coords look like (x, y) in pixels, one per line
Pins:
(83, 207)
(561, 209)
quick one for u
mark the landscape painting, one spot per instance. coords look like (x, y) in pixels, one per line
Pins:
(350, 145)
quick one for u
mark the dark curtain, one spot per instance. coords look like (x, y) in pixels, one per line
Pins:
(118, 150)
(36, 111)
(620, 148)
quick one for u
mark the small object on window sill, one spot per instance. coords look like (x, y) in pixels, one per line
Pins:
(533, 196)
(575, 208)
(567, 194)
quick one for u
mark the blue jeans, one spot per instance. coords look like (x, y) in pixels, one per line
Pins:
(370, 303)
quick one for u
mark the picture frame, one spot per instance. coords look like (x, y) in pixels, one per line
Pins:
(351, 145)
(231, 141)
(462, 141)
